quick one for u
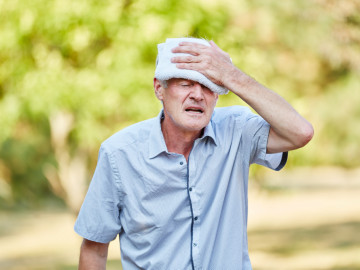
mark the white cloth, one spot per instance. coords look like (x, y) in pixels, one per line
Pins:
(166, 70)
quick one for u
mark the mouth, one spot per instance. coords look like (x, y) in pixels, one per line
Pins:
(196, 110)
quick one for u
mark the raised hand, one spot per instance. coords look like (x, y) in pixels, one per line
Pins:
(211, 61)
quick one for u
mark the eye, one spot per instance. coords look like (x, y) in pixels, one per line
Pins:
(187, 84)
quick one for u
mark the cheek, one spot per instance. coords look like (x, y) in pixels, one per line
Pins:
(172, 106)
(175, 95)
(212, 101)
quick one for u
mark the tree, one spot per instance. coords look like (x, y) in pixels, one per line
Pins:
(74, 72)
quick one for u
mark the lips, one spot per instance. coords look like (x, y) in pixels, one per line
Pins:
(194, 109)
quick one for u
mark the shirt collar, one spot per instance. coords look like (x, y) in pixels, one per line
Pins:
(157, 142)
(209, 132)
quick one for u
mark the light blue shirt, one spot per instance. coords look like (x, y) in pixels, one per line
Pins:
(173, 214)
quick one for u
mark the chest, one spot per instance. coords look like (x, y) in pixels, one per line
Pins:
(163, 193)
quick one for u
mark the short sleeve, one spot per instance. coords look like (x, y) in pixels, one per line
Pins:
(259, 156)
(98, 219)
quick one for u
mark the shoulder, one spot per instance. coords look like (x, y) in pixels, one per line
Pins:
(235, 119)
(131, 135)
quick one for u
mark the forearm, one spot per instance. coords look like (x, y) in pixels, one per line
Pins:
(285, 121)
(289, 130)
(93, 256)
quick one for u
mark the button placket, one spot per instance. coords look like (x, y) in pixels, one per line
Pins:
(196, 244)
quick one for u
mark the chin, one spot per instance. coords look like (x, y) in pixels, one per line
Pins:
(198, 126)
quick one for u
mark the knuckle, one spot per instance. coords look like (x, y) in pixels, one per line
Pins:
(207, 60)
(204, 65)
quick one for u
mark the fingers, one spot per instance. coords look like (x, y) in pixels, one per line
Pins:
(217, 48)
(195, 52)
(213, 44)
(192, 45)
(211, 61)
(187, 62)
(189, 48)
(196, 49)
(185, 59)
(190, 66)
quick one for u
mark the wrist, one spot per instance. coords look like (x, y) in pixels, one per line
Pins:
(237, 81)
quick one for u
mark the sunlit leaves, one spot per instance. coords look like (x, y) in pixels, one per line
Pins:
(95, 61)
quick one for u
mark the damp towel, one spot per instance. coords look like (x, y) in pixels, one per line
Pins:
(166, 70)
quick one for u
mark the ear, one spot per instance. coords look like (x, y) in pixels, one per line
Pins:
(158, 89)
(216, 98)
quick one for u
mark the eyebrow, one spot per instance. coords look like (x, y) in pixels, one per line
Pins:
(185, 80)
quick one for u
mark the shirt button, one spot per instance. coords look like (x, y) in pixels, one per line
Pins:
(190, 189)
(194, 244)
(181, 163)
(195, 218)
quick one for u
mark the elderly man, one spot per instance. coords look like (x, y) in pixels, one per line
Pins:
(174, 188)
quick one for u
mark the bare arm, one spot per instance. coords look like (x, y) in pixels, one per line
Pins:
(93, 255)
(289, 130)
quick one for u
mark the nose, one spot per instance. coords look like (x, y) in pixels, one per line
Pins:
(197, 92)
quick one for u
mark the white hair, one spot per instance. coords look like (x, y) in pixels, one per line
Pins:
(164, 83)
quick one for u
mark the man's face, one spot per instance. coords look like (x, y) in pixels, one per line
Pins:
(188, 105)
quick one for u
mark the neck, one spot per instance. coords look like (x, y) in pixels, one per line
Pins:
(179, 141)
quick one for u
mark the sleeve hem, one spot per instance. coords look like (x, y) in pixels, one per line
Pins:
(283, 161)
(264, 140)
(92, 237)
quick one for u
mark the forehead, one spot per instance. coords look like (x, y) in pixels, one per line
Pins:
(176, 80)
(183, 80)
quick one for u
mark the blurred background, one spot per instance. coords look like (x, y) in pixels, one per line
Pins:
(73, 72)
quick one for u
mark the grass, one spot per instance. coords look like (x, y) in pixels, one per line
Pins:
(287, 242)
(300, 230)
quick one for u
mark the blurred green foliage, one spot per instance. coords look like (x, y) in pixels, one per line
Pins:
(84, 70)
